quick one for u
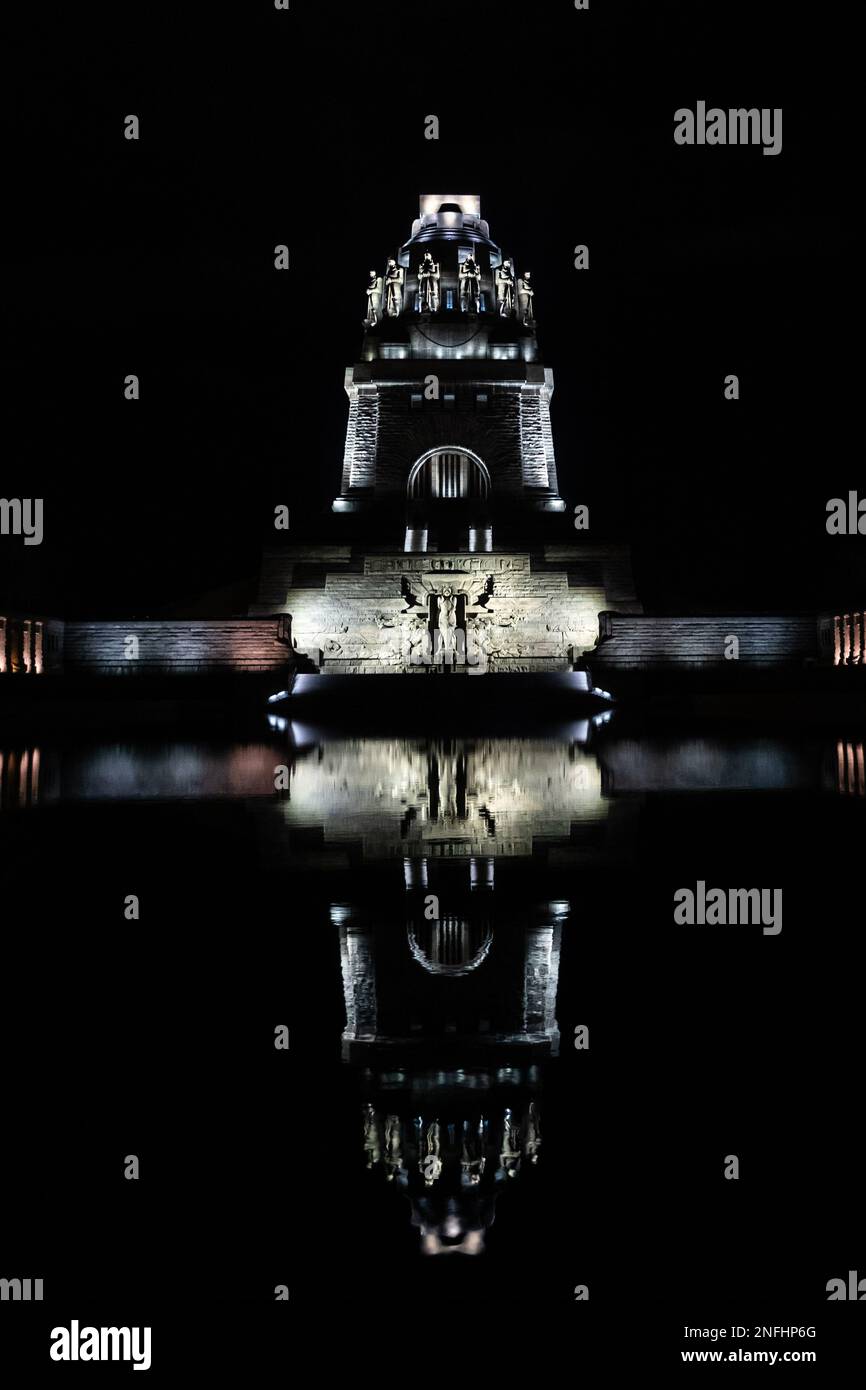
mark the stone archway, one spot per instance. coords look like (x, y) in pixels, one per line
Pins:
(448, 472)
(447, 501)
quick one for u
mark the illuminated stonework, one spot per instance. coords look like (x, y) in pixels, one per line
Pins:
(456, 554)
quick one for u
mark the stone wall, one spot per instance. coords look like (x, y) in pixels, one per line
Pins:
(628, 640)
(510, 431)
(176, 645)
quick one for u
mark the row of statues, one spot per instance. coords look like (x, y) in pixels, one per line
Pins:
(389, 288)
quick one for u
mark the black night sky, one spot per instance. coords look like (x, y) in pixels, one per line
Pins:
(156, 258)
(259, 128)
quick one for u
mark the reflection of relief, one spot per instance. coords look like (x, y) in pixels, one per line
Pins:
(408, 795)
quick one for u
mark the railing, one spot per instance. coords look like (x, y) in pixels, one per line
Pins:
(21, 646)
(849, 639)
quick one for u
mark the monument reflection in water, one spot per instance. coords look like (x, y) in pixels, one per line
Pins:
(455, 872)
(449, 1019)
(451, 998)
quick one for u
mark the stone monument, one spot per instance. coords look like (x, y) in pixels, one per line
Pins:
(450, 550)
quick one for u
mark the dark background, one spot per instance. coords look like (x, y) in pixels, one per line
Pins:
(260, 127)
(156, 258)
(156, 1038)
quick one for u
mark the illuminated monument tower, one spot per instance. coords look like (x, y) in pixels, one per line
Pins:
(453, 553)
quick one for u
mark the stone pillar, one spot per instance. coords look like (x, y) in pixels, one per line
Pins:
(26, 646)
(837, 641)
(480, 538)
(37, 647)
(416, 541)
(540, 979)
(359, 987)
(362, 434)
(2, 644)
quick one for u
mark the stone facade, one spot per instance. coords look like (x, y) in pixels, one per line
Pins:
(450, 473)
(504, 420)
(380, 613)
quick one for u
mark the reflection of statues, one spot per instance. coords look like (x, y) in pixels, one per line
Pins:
(510, 1154)
(532, 1131)
(505, 289)
(447, 623)
(470, 286)
(374, 299)
(525, 296)
(431, 1162)
(372, 1141)
(393, 289)
(428, 284)
(393, 1148)
(472, 1161)
(451, 1168)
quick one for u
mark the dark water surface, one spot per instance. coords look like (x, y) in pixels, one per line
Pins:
(432, 1099)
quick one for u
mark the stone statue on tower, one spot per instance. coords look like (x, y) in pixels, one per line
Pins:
(525, 297)
(374, 299)
(505, 289)
(428, 284)
(394, 277)
(470, 286)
